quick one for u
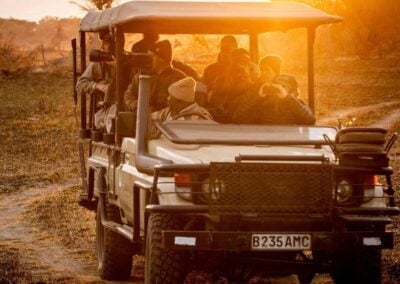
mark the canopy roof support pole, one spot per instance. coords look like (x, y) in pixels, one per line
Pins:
(119, 50)
(82, 44)
(254, 47)
(310, 56)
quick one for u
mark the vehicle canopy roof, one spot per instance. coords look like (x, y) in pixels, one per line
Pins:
(170, 17)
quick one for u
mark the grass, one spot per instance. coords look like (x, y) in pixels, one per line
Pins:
(59, 217)
(13, 269)
(37, 131)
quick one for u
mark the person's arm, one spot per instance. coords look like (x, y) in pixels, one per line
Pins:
(159, 116)
(301, 112)
(88, 81)
(131, 93)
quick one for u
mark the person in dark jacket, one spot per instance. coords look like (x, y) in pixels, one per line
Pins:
(99, 79)
(227, 45)
(272, 99)
(280, 104)
(163, 76)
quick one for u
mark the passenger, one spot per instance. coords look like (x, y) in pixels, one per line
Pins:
(228, 88)
(283, 105)
(186, 69)
(164, 76)
(227, 45)
(181, 105)
(99, 77)
(144, 45)
(242, 57)
(269, 102)
(148, 40)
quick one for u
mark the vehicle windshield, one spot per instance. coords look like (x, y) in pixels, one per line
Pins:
(203, 132)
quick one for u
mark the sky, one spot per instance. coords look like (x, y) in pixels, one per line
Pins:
(35, 10)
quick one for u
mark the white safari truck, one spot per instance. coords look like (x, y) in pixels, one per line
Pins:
(288, 199)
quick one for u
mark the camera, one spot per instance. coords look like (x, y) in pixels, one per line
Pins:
(100, 56)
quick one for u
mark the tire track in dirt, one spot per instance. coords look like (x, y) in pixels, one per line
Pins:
(388, 121)
(41, 254)
(333, 117)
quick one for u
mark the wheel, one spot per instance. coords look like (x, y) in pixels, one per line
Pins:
(359, 267)
(163, 266)
(114, 252)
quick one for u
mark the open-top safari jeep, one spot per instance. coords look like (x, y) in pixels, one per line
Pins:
(288, 199)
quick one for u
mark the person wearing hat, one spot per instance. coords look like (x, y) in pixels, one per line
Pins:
(181, 105)
(273, 98)
(280, 104)
(227, 45)
(99, 78)
(163, 76)
(97, 75)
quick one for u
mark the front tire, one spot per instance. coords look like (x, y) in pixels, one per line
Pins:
(114, 252)
(163, 266)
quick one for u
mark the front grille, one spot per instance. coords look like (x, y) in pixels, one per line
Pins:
(260, 189)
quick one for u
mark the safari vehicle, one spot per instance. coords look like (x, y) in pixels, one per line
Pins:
(288, 199)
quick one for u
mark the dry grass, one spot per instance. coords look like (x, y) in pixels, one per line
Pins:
(59, 217)
(37, 131)
(13, 269)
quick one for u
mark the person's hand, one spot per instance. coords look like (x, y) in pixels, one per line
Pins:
(101, 87)
(132, 106)
(282, 93)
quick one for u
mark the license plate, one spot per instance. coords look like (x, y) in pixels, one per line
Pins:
(280, 241)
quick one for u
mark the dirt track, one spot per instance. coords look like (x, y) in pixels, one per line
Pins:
(40, 253)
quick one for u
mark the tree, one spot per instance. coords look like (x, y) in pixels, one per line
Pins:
(87, 5)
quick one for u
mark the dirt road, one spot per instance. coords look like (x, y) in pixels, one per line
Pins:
(44, 257)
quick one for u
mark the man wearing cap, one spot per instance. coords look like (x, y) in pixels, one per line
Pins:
(98, 75)
(181, 105)
(99, 78)
(227, 45)
(164, 76)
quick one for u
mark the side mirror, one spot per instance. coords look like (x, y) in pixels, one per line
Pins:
(100, 56)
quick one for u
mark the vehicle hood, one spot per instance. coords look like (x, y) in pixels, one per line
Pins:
(204, 153)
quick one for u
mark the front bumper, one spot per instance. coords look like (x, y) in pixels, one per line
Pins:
(241, 241)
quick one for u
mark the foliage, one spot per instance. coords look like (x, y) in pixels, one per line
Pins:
(13, 57)
(369, 27)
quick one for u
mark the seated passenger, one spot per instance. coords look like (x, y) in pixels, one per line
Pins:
(164, 76)
(98, 79)
(181, 105)
(227, 45)
(241, 57)
(143, 46)
(186, 69)
(280, 105)
(229, 87)
(272, 98)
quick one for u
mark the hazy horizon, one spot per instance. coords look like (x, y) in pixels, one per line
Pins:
(35, 10)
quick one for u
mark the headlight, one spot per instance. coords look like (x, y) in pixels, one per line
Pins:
(214, 190)
(344, 191)
(205, 192)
